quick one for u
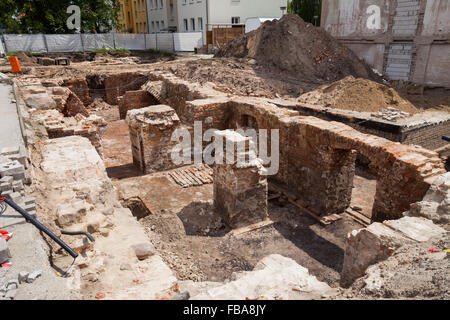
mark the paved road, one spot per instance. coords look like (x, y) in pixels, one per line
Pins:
(10, 134)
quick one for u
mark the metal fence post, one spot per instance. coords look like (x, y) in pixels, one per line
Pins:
(173, 42)
(82, 43)
(4, 41)
(45, 41)
(156, 37)
(114, 40)
(145, 41)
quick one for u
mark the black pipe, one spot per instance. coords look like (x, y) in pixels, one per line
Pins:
(76, 233)
(41, 227)
(446, 138)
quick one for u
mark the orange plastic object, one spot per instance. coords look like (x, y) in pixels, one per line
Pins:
(15, 65)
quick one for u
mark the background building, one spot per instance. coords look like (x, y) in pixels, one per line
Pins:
(162, 15)
(199, 15)
(411, 42)
(133, 16)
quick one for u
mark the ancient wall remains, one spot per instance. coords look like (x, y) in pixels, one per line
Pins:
(117, 84)
(317, 157)
(240, 189)
(151, 131)
(135, 100)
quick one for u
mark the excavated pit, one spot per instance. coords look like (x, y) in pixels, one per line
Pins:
(326, 167)
(188, 234)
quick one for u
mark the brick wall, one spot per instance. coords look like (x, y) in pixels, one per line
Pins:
(135, 100)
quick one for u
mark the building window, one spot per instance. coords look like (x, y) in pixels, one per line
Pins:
(162, 25)
(235, 20)
(153, 26)
(185, 22)
(200, 24)
(192, 24)
(157, 26)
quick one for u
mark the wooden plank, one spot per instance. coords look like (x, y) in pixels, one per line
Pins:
(197, 181)
(252, 227)
(312, 214)
(366, 221)
(274, 196)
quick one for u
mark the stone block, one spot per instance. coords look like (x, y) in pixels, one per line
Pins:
(12, 168)
(5, 254)
(70, 213)
(378, 241)
(143, 250)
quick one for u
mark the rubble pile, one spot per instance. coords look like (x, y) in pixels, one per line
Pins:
(391, 114)
(293, 47)
(13, 177)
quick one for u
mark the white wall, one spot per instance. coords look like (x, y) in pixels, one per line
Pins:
(192, 9)
(221, 11)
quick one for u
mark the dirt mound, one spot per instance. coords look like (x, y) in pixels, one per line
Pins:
(293, 47)
(24, 59)
(358, 95)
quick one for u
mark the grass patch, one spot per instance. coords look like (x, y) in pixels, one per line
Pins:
(111, 50)
(160, 52)
(28, 53)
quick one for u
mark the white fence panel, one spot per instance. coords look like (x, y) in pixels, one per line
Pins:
(130, 41)
(64, 43)
(164, 41)
(187, 41)
(150, 40)
(25, 42)
(2, 50)
(97, 41)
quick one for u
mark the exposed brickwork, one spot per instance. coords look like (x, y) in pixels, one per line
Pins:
(135, 100)
(117, 84)
(240, 191)
(80, 87)
(317, 157)
(151, 131)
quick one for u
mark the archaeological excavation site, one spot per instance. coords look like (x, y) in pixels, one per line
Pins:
(351, 199)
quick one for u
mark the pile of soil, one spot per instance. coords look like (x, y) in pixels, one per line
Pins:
(358, 95)
(293, 47)
(24, 59)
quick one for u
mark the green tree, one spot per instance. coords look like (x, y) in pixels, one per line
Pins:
(50, 16)
(309, 10)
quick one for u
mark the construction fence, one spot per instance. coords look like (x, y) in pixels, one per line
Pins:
(41, 43)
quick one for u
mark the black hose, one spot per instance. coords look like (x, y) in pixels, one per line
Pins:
(40, 226)
(76, 233)
(446, 138)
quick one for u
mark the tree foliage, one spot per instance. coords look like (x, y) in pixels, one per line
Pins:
(50, 16)
(309, 10)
